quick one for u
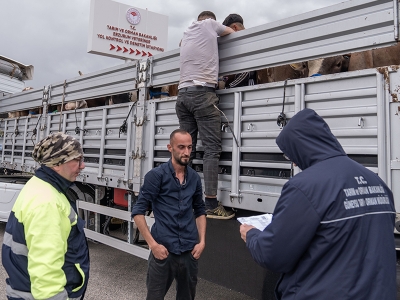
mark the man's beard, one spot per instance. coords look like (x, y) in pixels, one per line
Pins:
(181, 162)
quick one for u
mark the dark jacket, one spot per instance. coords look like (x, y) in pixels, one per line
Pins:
(243, 79)
(331, 234)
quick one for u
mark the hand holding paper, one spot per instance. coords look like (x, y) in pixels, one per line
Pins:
(259, 222)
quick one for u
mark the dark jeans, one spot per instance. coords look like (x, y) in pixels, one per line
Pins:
(160, 274)
(197, 114)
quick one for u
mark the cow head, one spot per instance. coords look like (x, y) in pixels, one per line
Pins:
(329, 65)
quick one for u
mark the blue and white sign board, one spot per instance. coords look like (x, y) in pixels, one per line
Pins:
(122, 31)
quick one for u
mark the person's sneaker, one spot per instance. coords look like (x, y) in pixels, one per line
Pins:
(220, 213)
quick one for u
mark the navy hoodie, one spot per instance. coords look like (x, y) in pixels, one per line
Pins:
(331, 234)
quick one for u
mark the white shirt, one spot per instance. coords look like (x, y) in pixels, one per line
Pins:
(199, 60)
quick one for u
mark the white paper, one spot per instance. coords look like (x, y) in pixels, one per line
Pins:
(260, 221)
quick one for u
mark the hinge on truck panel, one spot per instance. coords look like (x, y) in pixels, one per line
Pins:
(142, 77)
(141, 120)
(45, 105)
(46, 94)
(239, 196)
(361, 122)
(143, 68)
(137, 155)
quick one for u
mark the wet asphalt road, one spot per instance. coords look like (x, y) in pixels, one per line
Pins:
(117, 275)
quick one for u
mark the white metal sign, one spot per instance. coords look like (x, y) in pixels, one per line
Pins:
(122, 31)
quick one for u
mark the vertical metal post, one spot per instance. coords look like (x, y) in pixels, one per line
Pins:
(64, 122)
(386, 118)
(237, 120)
(24, 145)
(380, 103)
(143, 82)
(47, 126)
(300, 94)
(102, 143)
(130, 224)
(395, 152)
(4, 139)
(140, 119)
(297, 98)
(44, 126)
(128, 145)
(13, 141)
(152, 124)
(82, 132)
(303, 97)
(97, 225)
(396, 19)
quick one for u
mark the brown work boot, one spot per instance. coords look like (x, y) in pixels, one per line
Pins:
(220, 213)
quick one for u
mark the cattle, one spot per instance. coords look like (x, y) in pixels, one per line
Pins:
(101, 101)
(17, 114)
(281, 73)
(375, 58)
(323, 66)
(75, 105)
(368, 59)
(330, 65)
(23, 113)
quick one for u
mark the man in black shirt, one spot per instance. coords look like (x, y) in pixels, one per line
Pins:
(177, 238)
(235, 22)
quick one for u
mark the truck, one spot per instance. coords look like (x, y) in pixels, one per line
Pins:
(13, 75)
(122, 142)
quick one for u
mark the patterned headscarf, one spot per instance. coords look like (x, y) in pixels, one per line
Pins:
(57, 149)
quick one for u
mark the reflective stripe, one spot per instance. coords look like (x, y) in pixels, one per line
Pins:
(10, 292)
(28, 296)
(358, 216)
(60, 296)
(72, 216)
(78, 267)
(16, 248)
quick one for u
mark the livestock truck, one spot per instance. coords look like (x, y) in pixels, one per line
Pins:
(122, 142)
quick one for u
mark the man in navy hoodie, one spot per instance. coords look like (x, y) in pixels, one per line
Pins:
(331, 234)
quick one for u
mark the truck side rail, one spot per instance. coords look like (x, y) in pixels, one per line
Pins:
(350, 26)
(115, 80)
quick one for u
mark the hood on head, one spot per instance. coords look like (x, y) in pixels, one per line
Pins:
(307, 139)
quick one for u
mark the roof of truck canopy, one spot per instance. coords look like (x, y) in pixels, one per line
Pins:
(15, 69)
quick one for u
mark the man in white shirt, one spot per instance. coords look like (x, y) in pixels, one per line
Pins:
(197, 102)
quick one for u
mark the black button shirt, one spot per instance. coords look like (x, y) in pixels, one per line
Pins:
(175, 206)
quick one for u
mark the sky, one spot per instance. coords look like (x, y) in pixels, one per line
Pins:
(52, 35)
